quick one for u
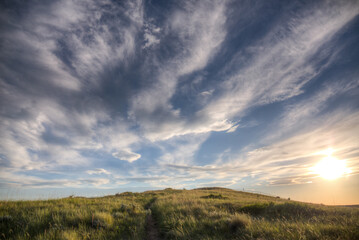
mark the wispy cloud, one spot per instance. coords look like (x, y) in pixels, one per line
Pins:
(181, 149)
(126, 155)
(19, 180)
(52, 59)
(197, 30)
(151, 35)
(293, 157)
(279, 66)
(148, 93)
(288, 161)
(281, 63)
(98, 171)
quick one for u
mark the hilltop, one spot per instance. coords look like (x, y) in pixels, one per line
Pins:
(203, 213)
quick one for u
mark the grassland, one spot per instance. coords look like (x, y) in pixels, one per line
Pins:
(212, 213)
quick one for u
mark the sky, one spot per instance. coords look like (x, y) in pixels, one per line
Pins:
(99, 97)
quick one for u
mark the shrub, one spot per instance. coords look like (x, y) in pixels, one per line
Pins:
(213, 196)
(126, 194)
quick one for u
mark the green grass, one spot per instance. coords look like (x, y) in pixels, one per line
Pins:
(179, 214)
(74, 218)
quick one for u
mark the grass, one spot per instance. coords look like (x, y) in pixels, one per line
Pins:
(73, 218)
(211, 213)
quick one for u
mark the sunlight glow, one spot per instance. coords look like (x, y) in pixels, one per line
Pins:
(330, 168)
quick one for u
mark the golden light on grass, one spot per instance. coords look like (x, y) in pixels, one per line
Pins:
(330, 167)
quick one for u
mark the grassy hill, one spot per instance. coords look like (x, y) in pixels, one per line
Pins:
(207, 213)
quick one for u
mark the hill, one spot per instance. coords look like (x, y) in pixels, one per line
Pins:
(206, 213)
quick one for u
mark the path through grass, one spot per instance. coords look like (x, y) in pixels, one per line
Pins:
(152, 232)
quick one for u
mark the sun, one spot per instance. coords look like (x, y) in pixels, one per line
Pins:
(330, 168)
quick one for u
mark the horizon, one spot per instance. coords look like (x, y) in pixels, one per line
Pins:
(52, 194)
(98, 96)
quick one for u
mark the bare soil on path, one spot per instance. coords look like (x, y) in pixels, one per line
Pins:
(151, 228)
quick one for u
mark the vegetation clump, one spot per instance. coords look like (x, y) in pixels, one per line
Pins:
(239, 222)
(215, 196)
(102, 219)
(127, 194)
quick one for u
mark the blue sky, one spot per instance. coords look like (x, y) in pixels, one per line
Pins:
(104, 96)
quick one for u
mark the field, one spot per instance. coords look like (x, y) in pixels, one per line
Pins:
(208, 213)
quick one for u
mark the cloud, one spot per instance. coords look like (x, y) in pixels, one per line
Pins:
(293, 157)
(151, 35)
(90, 80)
(127, 155)
(279, 65)
(307, 108)
(181, 149)
(206, 93)
(53, 63)
(95, 181)
(201, 28)
(233, 128)
(289, 160)
(98, 171)
(20, 180)
(216, 184)
(70, 43)
(122, 182)
(196, 32)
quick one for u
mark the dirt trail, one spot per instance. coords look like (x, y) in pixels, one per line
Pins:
(151, 228)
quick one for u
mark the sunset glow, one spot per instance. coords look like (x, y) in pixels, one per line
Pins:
(331, 168)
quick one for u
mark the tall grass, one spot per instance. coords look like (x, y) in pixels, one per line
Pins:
(178, 214)
(72, 218)
(201, 214)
